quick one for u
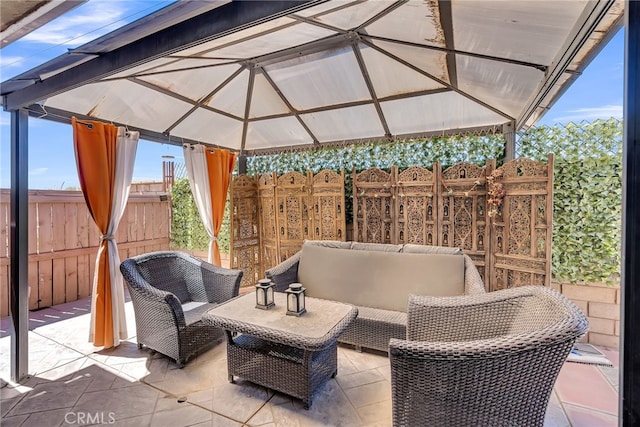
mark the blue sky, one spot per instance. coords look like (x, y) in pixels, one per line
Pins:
(597, 93)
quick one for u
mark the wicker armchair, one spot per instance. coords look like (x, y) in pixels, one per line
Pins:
(170, 291)
(482, 360)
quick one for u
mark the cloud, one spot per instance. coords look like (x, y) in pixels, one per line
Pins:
(591, 113)
(38, 171)
(78, 27)
(10, 61)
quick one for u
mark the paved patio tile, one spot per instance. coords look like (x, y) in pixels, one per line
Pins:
(122, 403)
(585, 385)
(580, 416)
(368, 394)
(239, 401)
(14, 421)
(555, 416)
(52, 395)
(376, 414)
(359, 378)
(184, 415)
(44, 354)
(47, 418)
(138, 421)
(143, 388)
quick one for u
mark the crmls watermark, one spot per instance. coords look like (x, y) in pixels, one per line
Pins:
(85, 418)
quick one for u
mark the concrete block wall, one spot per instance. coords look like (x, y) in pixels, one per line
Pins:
(601, 304)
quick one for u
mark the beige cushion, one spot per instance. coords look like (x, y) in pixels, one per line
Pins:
(379, 247)
(378, 279)
(329, 243)
(410, 248)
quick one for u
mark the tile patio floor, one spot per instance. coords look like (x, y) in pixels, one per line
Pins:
(74, 383)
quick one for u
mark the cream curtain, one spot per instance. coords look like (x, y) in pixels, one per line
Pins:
(195, 160)
(126, 146)
(104, 157)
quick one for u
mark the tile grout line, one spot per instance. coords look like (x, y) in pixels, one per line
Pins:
(589, 409)
(196, 404)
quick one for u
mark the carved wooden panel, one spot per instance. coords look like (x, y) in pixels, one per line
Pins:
(245, 226)
(327, 202)
(521, 234)
(449, 208)
(373, 206)
(463, 212)
(267, 220)
(416, 206)
(293, 220)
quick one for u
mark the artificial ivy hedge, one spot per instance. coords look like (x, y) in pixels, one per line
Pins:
(187, 231)
(587, 196)
(587, 186)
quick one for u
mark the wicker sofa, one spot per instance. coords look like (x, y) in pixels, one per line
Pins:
(378, 279)
(170, 291)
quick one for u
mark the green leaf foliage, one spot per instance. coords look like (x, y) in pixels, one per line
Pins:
(187, 231)
(412, 152)
(587, 196)
(587, 186)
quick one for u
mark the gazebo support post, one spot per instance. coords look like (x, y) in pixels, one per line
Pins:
(242, 164)
(629, 408)
(19, 241)
(509, 133)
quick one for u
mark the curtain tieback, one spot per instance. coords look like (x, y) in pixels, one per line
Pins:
(107, 237)
(214, 239)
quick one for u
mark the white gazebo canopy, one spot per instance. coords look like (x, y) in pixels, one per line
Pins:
(259, 77)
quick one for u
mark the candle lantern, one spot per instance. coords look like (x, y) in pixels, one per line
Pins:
(295, 300)
(264, 294)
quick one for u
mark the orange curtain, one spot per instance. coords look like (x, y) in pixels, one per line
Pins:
(95, 148)
(219, 167)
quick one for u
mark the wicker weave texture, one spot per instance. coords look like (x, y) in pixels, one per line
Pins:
(159, 284)
(287, 369)
(293, 363)
(482, 360)
(374, 327)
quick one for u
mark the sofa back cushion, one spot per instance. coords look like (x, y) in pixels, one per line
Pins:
(426, 249)
(378, 279)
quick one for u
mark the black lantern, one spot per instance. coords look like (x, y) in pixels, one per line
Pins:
(264, 294)
(295, 300)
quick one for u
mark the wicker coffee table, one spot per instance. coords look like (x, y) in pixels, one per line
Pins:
(293, 355)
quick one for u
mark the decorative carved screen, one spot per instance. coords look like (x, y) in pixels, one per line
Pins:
(292, 215)
(463, 211)
(245, 225)
(284, 211)
(268, 222)
(373, 206)
(521, 232)
(450, 208)
(416, 206)
(327, 200)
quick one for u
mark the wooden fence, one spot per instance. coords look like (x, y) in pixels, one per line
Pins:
(63, 242)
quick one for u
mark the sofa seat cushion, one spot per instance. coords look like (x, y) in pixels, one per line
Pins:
(378, 279)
